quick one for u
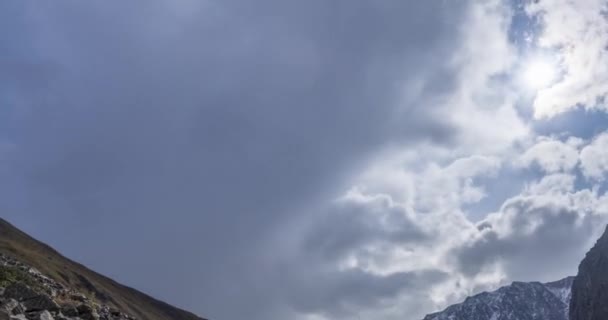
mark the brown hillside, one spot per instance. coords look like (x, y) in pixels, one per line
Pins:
(19, 245)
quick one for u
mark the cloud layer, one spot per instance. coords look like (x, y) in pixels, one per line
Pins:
(303, 160)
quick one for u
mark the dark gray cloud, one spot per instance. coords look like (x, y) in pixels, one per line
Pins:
(342, 294)
(350, 226)
(162, 142)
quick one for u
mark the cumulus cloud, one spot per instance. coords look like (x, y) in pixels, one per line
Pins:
(594, 158)
(398, 220)
(548, 214)
(372, 235)
(576, 32)
(517, 242)
(552, 155)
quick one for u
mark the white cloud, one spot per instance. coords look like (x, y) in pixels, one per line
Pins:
(406, 215)
(551, 155)
(594, 158)
(520, 241)
(482, 104)
(525, 234)
(577, 31)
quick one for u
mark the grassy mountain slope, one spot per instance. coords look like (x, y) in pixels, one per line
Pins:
(19, 245)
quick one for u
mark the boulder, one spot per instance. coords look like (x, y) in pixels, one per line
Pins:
(86, 312)
(40, 315)
(12, 306)
(39, 303)
(45, 315)
(19, 292)
(69, 310)
(78, 297)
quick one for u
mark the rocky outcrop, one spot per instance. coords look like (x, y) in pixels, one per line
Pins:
(44, 299)
(590, 288)
(65, 280)
(518, 301)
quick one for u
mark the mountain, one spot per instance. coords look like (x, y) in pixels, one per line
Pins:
(518, 301)
(34, 274)
(590, 288)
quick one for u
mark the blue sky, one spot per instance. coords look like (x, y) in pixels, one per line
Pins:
(307, 160)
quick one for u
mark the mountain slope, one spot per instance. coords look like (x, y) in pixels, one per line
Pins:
(49, 262)
(518, 301)
(590, 288)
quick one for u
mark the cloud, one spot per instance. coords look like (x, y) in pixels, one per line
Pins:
(575, 31)
(405, 232)
(408, 216)
(594, 158)
(552, 155)
(350, 292)
(217, 135)
(530, 226)
(199, 131)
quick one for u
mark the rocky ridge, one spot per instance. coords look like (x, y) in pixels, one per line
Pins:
(27, 294)
(518, 301)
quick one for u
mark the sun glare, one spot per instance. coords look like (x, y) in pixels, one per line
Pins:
(539, 74)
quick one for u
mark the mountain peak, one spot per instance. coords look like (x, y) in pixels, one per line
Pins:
(518, 301)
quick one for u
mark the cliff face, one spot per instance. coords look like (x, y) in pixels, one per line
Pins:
(56, 278)
(590, 288)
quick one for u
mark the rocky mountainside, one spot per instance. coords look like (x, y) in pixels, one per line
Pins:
(590, 288)
(25, 293)
(38, 283)
(518, 301)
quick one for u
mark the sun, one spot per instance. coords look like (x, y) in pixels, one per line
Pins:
(539, 73)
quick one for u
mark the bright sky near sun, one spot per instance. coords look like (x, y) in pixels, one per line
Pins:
(539, 73)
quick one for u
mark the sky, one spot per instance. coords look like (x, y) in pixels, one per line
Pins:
(308, 160)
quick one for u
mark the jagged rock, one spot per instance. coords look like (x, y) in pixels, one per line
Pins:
(61, 316)
(45, 315)
(518, 301)
(87, 312)
(27, 304)
(40, 315)
(19, 292)
(9, 304)
(39, 303)
(590, 288)
(69, 310)
(40, 299)
(12, 306)
(79, 297)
